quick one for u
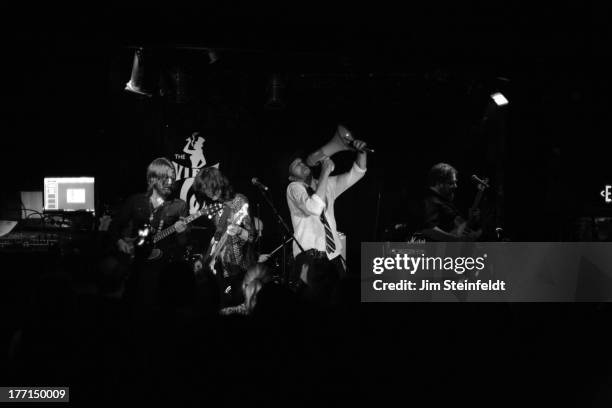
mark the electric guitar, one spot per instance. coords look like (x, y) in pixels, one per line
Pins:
(217, 246)
(145, 244)
(461, 224)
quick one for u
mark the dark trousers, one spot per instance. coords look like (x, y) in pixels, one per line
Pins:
(142, 290)
(230, 285)
(307, 257)
(322, 275)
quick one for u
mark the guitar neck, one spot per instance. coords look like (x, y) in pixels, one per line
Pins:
(476, 203)
(237, 220)
(477, 199)
(221, 243)
(171, 230)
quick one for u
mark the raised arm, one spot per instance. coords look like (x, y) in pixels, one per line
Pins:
(342, 182)
(327, 166)
(362, 156)
(298, 197)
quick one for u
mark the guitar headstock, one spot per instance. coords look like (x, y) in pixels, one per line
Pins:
(212, 210)
(239, 216)
(483, 186)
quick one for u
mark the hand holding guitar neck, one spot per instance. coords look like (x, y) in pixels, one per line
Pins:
(234, 229)
(146, 241)
(180, 226)
(217, 246)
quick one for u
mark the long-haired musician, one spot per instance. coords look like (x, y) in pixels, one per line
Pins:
(230, 252)
(156, 209)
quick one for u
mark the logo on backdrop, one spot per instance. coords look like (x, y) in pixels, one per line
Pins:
(606, 193)
(187, 164)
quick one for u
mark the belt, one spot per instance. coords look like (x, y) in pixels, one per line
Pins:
(315, 253)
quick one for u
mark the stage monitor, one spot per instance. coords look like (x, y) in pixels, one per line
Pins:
(69, 194)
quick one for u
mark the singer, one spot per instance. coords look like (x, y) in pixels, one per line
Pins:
(311, 205)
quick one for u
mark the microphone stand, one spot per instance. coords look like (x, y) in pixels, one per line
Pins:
(287, 235)
(260, 232)
(376, 222)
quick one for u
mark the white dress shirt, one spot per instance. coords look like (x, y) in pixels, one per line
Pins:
(306, 210)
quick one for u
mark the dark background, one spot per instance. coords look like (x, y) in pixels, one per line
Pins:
(413, 82)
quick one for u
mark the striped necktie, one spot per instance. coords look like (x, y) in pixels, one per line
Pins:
(330, 245)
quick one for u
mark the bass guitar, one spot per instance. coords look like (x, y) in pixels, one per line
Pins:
(145, 244)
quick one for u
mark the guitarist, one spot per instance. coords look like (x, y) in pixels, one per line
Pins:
(441, 219)
(230, 251)
(153, 208)
(156, 209)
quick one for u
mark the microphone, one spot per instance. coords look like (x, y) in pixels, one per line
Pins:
(258, 183)
(365, 149)
(479, 181)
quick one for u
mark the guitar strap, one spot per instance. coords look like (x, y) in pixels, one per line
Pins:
(156, 213)
(230, 210)
(154, 228)
(224, 217)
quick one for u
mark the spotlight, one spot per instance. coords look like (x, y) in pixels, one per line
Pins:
(139, 82)
(499, 99)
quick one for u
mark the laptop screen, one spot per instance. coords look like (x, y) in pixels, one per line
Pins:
(69, 194)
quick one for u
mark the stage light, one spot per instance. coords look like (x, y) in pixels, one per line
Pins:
(499, 99)
(139, 82)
